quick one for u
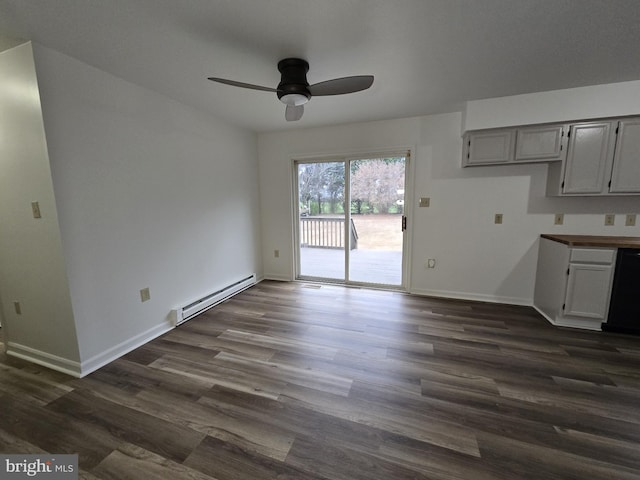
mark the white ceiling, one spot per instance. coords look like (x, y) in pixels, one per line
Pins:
(427, 56)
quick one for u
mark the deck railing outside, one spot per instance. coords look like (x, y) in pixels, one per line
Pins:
(326, 232)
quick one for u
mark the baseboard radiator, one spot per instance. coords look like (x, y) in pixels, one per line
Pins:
(182, 314)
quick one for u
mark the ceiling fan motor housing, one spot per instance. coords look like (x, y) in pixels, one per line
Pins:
(294, 90)
(293, 82)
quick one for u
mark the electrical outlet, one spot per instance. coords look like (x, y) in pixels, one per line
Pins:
(276, 253)
(145, 294)
(630, 220)
(559, 219)
(424, 202)
(18, 308)
(497, 219)
(35, 209)
(609, 219)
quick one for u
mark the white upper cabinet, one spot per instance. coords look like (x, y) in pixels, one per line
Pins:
(603, 158)
(489, 147)
(588, 158)
(499, 146)
(625, 175)
(541, 143)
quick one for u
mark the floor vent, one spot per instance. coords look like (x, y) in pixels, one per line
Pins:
(196, 307)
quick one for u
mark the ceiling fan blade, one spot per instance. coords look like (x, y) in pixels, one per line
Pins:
(243, 85)
(339, 86)
(293, 113)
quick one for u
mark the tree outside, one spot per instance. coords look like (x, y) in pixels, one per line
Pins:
(377, 198)
(321, 187)
(377, 186)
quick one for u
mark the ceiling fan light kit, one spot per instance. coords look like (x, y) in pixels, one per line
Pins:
(294, 90)
(294, 99)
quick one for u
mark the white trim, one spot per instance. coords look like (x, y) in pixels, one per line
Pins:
(351, 154)
(523, 302)
(115, 352)
(279, 278)
(54, 362)
(410, 212)
(586, 324)
(346, 157)
(544, 315)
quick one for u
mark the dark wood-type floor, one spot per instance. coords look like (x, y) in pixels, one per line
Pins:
(308, 382)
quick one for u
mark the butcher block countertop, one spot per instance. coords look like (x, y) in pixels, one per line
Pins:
(594, 241)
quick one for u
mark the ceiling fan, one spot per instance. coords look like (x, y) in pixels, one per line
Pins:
(294, 90)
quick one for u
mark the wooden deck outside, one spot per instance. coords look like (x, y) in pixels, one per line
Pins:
(366, 266)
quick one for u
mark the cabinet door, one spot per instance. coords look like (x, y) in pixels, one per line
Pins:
(588, 157)
(625, 176)
(539, 144)
(485, 148)
(588, 290)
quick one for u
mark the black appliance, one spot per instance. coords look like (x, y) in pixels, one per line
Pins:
(624, 308)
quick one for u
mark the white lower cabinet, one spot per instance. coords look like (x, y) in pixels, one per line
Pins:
(588, 291)
(573, 284)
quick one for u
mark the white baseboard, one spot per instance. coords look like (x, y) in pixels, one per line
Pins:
(81, 369)
(582, 324)
(544, 315)
(525, 302)
(54, 362)
(115, 352)
(595, 325)
(278, 278)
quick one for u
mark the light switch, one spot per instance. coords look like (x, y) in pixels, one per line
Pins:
(559, 219)
(424, 202)
(145, 294)
(498, 219)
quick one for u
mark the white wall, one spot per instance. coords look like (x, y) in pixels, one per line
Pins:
(276, 151)
(610, 100)
(150, 193)
(32, 269)
(476, 259)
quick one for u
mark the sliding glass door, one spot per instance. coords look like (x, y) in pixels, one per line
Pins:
(322, 220)
(350, 220)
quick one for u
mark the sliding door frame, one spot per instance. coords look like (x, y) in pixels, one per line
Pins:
(347, 158)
